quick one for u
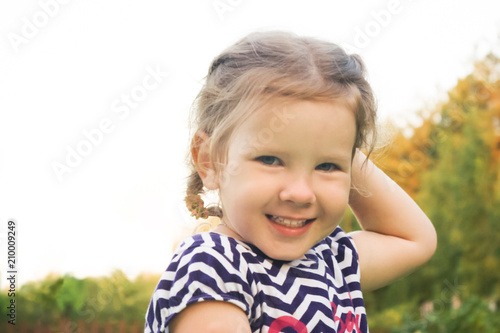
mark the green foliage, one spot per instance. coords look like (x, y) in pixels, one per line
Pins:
(473, 315)
(109, 299)
(37, 301)
(70, 297)
(458, 195)
(457, 183)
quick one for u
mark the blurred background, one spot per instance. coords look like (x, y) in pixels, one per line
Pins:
(94, 114)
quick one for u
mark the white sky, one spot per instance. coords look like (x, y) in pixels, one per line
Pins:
(120, 206)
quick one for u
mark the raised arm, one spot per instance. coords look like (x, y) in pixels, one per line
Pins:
(397, 236)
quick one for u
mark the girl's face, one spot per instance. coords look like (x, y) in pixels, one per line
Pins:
(287, 182)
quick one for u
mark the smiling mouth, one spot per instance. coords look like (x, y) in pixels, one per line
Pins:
(289, 223)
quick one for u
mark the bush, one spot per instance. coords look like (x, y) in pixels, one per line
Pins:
(474, 315)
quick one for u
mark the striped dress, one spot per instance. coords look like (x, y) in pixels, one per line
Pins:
(318, 293)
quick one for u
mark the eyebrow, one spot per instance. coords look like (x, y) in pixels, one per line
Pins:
(337, 156)
(263, 150)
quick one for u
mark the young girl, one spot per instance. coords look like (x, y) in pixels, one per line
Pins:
(279, 123)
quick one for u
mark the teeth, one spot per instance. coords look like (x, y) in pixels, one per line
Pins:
(288, 223)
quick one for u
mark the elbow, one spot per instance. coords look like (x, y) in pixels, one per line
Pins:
(424, 245)
(428, 244)
(433, 243)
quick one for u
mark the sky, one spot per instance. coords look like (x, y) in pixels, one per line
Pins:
(95, 99)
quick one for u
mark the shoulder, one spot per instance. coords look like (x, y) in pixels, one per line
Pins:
(205, 267)
(339, 252)
(208, 259)
(209, 247)
(339, 241)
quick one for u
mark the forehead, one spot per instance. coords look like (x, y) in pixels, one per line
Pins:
(298, 123)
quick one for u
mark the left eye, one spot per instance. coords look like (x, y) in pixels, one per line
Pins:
(269, 160)
(327, 167)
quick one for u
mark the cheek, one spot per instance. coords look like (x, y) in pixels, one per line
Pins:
(247, 190)
(335, 195)
(228, 173)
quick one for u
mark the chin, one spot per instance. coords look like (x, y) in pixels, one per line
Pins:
(285, 256)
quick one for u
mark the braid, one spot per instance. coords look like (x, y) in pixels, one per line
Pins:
(193, 200)
(194, 183)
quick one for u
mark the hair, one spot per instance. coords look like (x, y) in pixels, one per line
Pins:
(276, 64)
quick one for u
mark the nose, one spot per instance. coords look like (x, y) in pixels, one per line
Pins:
(298, 191)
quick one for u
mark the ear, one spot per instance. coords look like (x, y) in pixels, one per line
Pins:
(200, 151)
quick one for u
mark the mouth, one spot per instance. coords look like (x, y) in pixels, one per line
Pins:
(289, 223)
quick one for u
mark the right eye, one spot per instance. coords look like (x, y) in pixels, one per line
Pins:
(269, 160)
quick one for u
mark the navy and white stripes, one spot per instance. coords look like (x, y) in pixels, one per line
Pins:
(319, 292)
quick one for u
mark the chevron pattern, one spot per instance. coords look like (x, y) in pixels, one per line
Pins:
(318, 293)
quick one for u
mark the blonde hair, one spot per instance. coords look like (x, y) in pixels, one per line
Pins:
(267, 65)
